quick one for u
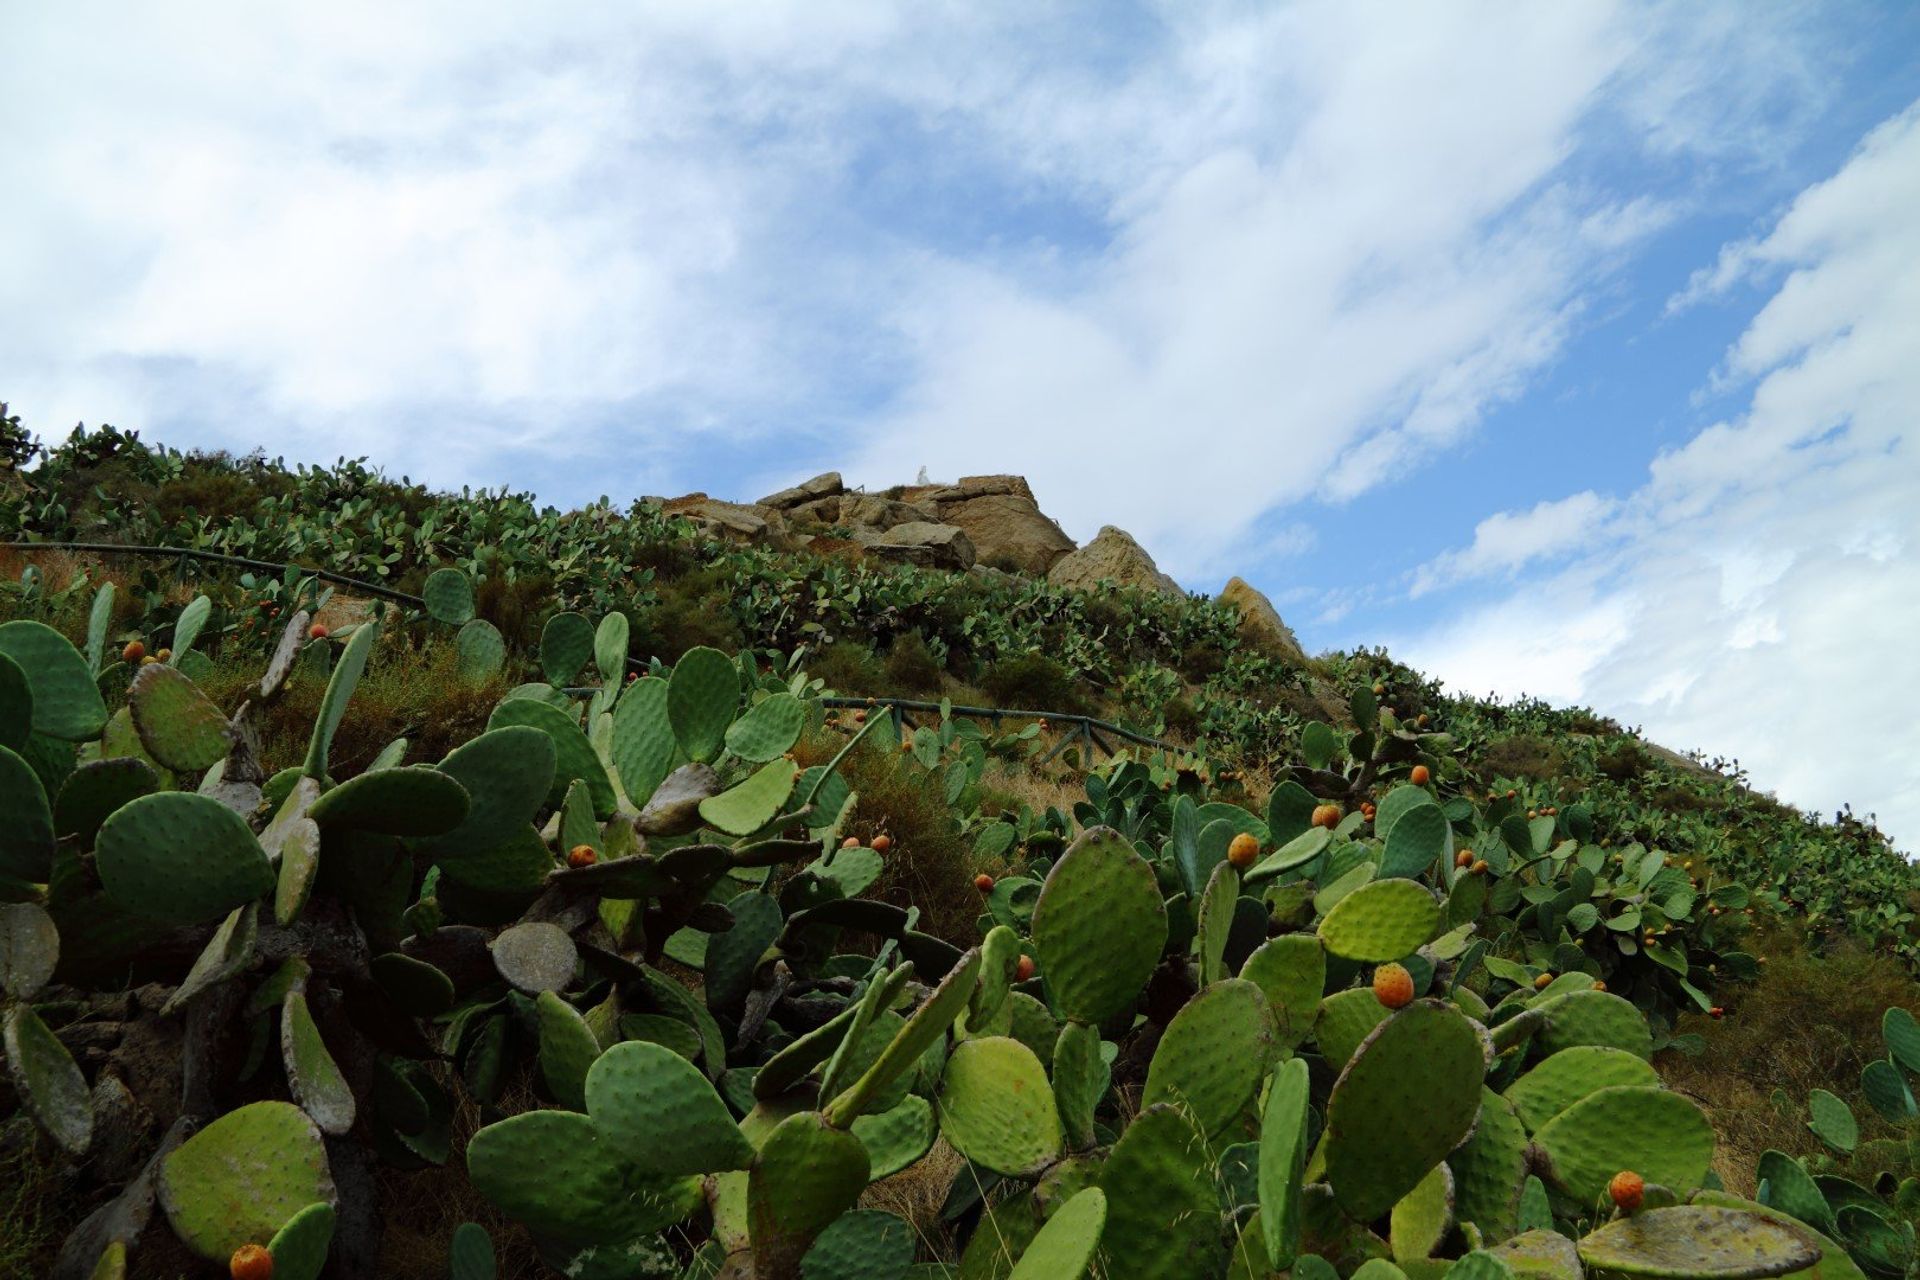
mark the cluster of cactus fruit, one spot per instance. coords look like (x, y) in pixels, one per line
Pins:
(1189, 1043)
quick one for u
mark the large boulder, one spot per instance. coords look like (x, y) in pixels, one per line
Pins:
(1260, 621)
(1113, 556)
(733, 520)
(876, 511)
(1009, 530)
(825, 485)
(921, 542)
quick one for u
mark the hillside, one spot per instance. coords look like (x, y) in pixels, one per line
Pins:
(538, 811)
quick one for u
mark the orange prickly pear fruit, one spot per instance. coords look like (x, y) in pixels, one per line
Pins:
(582, 855)
(1420, 775)
(250, 1262)
(1464, 858)
(1242, 851)
(1023, 970)
(1326, 815)
(983, 882)
(1540, 983)
(881, 843)
(318, 631)
(1627, 1189)
(1393, 985)
(1479, 867)
(851, 842)
(133, 652)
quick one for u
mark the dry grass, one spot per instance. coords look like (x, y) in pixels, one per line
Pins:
(1009, 784)
(1809, 1022)
(916, 1193)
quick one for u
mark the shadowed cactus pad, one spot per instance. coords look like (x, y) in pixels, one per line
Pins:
(1410, 1094)
(1066, 1244)
(66, 702)
(657, 1108)
(997, 1109)
(1098, 927)
(26, 837)
(299, 1249)
(29, 949)
(396, 802)
(178, 858)
(1380, 921)
(47, 1079)
(1660, 1135)
(179, 725)
(240, 1179)
(1572, 1074)
(863, 1245)
(1490, 1169)
(1699, 1242)
(806, 1174)
(1163, 1214)
(555, 1172)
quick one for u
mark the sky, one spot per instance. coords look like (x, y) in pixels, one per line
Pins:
(1568, 350)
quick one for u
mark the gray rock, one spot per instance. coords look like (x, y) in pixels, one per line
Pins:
(939, 546)
(825, 485)
(1009, 529)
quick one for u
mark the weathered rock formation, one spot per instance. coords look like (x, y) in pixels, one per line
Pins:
(1113, 556)
(1260, 621)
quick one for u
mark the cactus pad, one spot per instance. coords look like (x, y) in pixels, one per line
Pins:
(1593, 1017)
(480, 651)
(1660, 1135)
(470, 1254)
(1572, 1074)
(1098, 927)
(769, 729)
(449, 597)
(1409, 1095)
(66, 701)
(1346, 1019)
(240, 1179)
(415, 801)
(997, 1108)
(507, 774)
(927, 1027)
(1699, 1242)
(895, 1139)
(1381, 920)
(1425, 1214)
(702, 695)
(1080, 1079)
(566, 646)
(806, 1174)
(1283, 1154)
(299, 868)
(574, 756)
(535, 957)
(555, 1172)
(1490, 1168)
(1214, 1054)
(1292, 970)
(568, 1048)
(47, 1079)
(1067, 1243)
(312, 1075)
(94, 791)
(29, 949)
(178, 725)
(26, 837)
(743, 809)
(1541, 1255)
(866, 1244)
(656, 1107)
(1163, 1214)
(299, 1249)
(181, 859)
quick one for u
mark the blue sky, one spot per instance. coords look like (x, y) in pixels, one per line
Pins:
(1566, 349)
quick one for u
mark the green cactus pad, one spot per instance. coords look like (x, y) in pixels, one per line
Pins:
(1572, 1074)
(26, 837)
(470, 1254)
(574, 756)
(610, 641)
(1662, 1136)
(507, 774)
(47, 1079)
(333, 703)
(1098, 927)
(299, 867)
(702, 695)
(95, 790)
(178, 858)
(299, 1249)
(999, 958)
(1792, 1188)
(1832, 1121)
(1409, 1095)
(481, 651)
(535, 957)
(734, 955)
(997, 1109)
(29, 949)
(517, 862)
(1346, 1018)
(1004, 1232)
(656, 1107)
(1292, 971)
(312, 1075)
(1424, 1215)
(1593, 1017)
(769, 728)
(112, 1264)
(415, 986)
(568, 1048)
(555, 1172)
(449, 596)
(1396, 804)
(1886, 1089)
(806, 1174)
(16, 705)
(1214, 1054)
(1490, 1168)
(566, 646)
(1283, 1155)
(1541, 1255)
(1080, 1078)
(417, 801)
(66, 701)
(1163, 1214)
(1698, 1242)
(178, 725)
(743, 809)
(896, 1138)
(1215, 921)
(1066, 1244)
(1380, 921)
(240, 1179)
(866, 1244)
(644, 750)
(1297, 852)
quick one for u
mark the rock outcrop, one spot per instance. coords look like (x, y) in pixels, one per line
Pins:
(1260, 621)
(734, 520)
(1007, 526)
(921, 542)
(1113, 556)
(825, 485)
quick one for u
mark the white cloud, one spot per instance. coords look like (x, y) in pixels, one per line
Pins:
(1764, 585)
(1309, 245)
(1506, 541)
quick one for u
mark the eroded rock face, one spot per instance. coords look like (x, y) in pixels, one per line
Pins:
(734, 520)
(873, 511)
(1112, 556)
(1260, 621)
(825, 485)
(1009, 530)
(938, 546)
